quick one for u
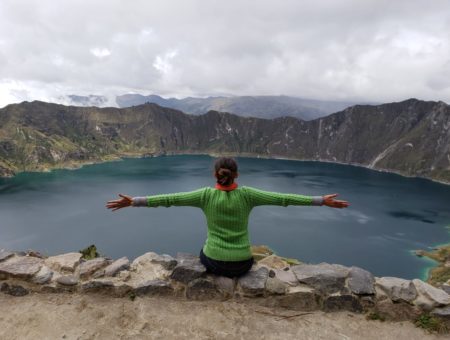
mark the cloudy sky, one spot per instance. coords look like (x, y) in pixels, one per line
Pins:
(372, 50)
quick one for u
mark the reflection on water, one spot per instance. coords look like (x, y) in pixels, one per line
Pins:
(389, 215)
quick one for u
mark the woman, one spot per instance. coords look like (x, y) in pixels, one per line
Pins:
(227, 207)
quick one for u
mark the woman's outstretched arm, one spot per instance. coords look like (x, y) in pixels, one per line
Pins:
(191, 198)
(260, 197)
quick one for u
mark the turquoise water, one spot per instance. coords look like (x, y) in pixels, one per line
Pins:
(389, 216)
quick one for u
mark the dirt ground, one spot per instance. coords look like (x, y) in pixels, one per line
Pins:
(72, 316)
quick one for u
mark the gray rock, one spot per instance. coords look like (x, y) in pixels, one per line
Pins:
(153, 287)
(335, 303)
(286, 276)
(118, 265)
(23, 267)
(253, 283)
(4, 255)
(166, 261)
(325, 278)
(14, 290)
(397, 289)
(89, 267)
(43, 276)
(64, 262)
(446, 288)
(225, 284)
(114, 268)
(203, 289)
(97, 286)
(188, 270)
(276, 286)
(67, 280)
(443, 312)
(300, 298)
(361, 282)
(428, 296)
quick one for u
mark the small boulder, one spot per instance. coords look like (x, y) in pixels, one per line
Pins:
(225, 284)
(428, 296)
(300, 298)
(43, 276)
(325, 278)
(361, 282)
(166, 261)
(97, 286)
(64, 262)
(446, 288)
(114, 268)
(334, 303)
(286, 276)
(443, 312)
(397, 289)
(67, 280)
(88, 268)
(203, 289)
(253, 283)
(23, 267)
(276, 286)
(14, 290)
(153, 287)
(4, 255)
(188, 270)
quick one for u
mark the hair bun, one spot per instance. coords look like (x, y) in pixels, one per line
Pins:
(224, 172)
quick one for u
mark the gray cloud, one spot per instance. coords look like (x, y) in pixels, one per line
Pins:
(373, 50)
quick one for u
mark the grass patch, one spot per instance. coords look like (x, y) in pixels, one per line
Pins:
(438, 275)
(431, 324)
(89, 253)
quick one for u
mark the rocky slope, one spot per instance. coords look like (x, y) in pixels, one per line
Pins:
(410, 137)
(255, 106)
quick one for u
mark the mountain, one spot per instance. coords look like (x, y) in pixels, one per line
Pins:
(410, 137)
(246, 106)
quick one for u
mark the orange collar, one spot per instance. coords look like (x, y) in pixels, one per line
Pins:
(226, 187)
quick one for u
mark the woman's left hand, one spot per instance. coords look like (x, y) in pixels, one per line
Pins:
(125, 201)
(329, 201)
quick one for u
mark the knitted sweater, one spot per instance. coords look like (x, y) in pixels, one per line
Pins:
(227, 214)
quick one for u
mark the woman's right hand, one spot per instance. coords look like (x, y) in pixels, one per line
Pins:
(329, 201)
(125, 201)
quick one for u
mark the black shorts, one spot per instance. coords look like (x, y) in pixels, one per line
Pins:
(226, 268)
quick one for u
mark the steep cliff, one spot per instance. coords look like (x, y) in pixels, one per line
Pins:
(410, 137)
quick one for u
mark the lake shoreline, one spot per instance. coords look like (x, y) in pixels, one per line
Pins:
(74, 165)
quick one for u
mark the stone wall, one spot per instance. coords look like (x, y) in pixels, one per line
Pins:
(273, 281)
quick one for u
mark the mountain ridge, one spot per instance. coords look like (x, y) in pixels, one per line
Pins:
(257, 106)
(411, 137)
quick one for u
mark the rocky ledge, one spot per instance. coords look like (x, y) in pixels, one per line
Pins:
(273, 281)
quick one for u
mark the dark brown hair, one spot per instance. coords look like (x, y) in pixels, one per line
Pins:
(226, 170)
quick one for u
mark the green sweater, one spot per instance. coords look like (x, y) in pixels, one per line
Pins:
(227, 214)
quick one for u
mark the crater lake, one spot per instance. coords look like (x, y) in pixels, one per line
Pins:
(389, 215)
